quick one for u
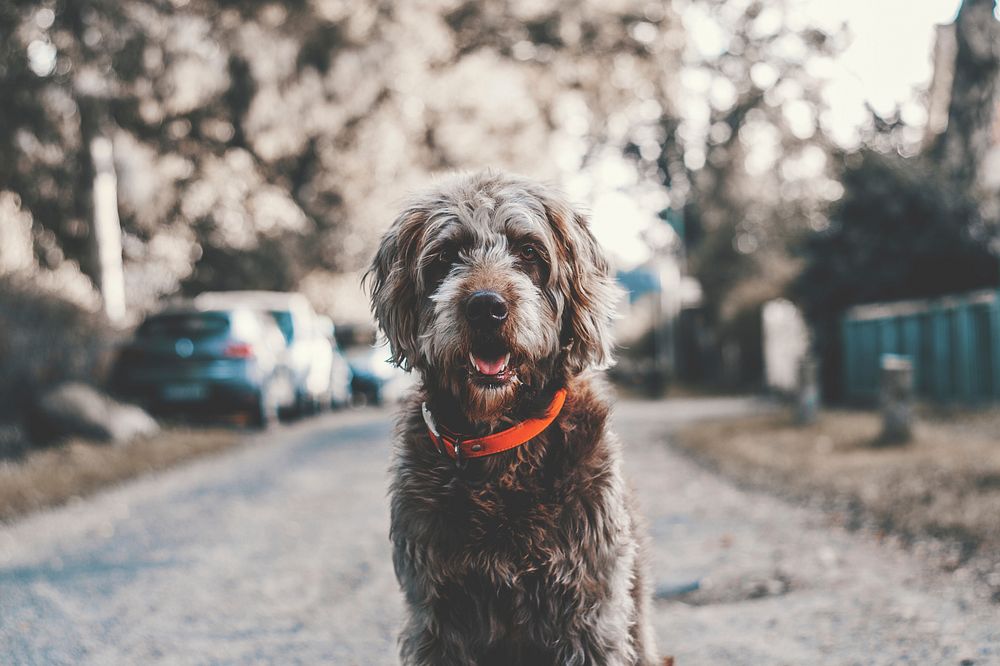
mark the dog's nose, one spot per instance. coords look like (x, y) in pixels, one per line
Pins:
(486, 308)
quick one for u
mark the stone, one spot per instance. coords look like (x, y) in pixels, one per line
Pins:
(75, 409)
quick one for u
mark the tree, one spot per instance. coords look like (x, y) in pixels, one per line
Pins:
(901, 230)
(268, 143)
(756, 170)
(972, 109)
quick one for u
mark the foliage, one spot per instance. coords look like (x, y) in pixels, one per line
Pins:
(265, 144)
(755, 173)
(901, 230)
(975, 95)
(44, 341)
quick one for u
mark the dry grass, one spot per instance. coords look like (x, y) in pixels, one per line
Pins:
(53, 476)
(945, 484)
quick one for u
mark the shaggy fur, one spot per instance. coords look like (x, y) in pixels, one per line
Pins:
(531, 556)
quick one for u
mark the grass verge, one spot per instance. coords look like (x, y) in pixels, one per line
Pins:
(77, 468)
(944, 485)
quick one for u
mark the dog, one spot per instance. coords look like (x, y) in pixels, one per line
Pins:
(514, 536)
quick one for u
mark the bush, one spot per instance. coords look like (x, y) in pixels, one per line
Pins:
(900, 231)
(44, 341)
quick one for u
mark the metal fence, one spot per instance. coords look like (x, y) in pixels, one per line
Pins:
(953, 341)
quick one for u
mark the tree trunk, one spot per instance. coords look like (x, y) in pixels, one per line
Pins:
(107, 230)
(98, 190)
(973, 105)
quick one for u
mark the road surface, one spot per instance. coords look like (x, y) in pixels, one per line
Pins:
(277, 553)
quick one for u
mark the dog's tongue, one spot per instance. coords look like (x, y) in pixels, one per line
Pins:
(486, 367)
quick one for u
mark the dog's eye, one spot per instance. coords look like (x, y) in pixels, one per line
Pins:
(447, 256)
(528, 253)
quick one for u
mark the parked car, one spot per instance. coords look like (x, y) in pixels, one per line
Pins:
(310, 355)
(374, 380)
(340, 369)
(189, 357)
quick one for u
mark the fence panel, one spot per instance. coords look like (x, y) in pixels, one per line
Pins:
(954, 343)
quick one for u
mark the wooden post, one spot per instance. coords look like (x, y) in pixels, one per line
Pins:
(897, 399)
(807, 394)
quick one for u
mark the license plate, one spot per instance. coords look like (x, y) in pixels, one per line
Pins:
(184, 392)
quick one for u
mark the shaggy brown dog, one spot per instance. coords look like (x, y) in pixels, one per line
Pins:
(495, 291)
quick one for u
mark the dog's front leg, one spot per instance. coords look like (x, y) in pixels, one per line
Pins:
(581, 651)
(420, 645)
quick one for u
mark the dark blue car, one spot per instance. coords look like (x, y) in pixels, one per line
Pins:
(187, 358)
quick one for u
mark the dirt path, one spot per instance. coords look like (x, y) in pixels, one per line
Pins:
(780, 584)
(277, 553)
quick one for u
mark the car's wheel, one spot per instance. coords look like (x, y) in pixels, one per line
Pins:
(323, 403)
(265, 413)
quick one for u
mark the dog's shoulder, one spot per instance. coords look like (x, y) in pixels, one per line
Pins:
(585, 414)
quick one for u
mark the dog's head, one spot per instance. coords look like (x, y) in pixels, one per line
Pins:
(490, 285)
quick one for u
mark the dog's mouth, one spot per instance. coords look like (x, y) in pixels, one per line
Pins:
(491, 367)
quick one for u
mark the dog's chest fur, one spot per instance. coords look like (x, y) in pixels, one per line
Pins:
(505, 545)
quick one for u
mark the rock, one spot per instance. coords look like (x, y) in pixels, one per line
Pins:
(77, 410)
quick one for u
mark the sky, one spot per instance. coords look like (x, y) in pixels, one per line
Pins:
(888, 57)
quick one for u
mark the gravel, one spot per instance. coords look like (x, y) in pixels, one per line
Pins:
(277, 553)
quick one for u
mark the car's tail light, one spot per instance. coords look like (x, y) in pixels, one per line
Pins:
(238, 350)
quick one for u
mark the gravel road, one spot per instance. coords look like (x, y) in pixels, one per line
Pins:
(277, 553)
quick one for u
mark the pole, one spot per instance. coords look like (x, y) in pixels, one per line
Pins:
(108, 230)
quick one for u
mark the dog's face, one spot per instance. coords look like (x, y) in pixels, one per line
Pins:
(490, 285)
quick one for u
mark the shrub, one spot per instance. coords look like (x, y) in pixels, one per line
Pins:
(44, 341)
(901, 230)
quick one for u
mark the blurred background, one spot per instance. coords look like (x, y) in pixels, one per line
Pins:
(801, 199)
(731, 153)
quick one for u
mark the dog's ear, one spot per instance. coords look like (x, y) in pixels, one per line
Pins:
(589, 290)
(393, 288)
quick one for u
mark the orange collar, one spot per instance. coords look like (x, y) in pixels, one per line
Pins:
(459, 448)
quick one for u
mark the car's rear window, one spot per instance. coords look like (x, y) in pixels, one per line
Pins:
(284, 320)
(197, 325)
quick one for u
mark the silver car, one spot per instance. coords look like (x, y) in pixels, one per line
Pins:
(308, 350)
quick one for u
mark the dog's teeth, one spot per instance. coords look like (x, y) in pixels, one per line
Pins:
(472, 360)
(506, 362)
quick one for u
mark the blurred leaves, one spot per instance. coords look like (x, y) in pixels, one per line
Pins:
(274, 139)
(45, 340)
(900, 231)
(266, 144)
(755, 151)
